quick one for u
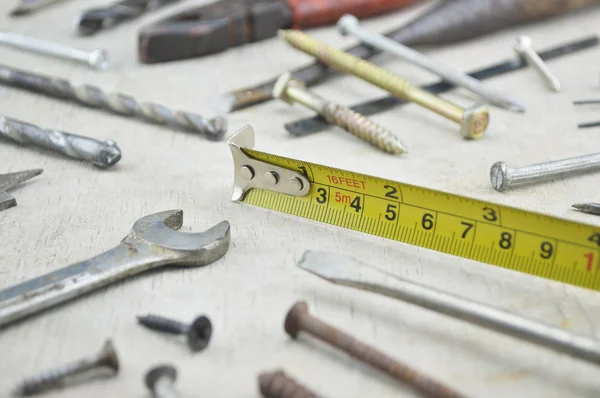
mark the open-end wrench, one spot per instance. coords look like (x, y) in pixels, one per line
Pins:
(152, 242)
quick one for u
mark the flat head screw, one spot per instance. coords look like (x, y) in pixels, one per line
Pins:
(504, 177)
(198, 333)
(524, 48)
(473, 121)
(161, 380)
(299, 320)
(107, 358)
(291, 90)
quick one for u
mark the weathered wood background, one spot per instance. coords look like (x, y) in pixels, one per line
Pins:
(74, 211)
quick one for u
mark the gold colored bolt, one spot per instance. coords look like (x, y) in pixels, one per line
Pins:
(291, 89)
(473, 120)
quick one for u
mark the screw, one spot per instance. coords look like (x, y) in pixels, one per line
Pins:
(504, 177)
(473, 120)
(589, 208)
(96, 59)
(101, 154)
(298, 319)
(107, 358)
(117, 103)
(525, 49)
(160, 380)
(290, 90)
(349, 25)
(278, 385)
(198, 332)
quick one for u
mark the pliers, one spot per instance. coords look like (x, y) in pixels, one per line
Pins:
(8, 181)
(228, 23)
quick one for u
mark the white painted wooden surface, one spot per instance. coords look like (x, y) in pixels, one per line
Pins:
(74, 211)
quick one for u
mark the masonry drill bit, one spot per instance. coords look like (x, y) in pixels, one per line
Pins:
(473, 121)
(91, 21)
(118, 103)
(589, 208)
(102, 154)
(291, 90)
(28, 6)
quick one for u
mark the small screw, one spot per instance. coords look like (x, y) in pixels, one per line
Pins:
(96, 59)
(504, 177)
(525, 49)
(298, 319)
(107, 358)
(160, 380)
(473, 121)
(290, 90)
(198, 333)
(278, 385)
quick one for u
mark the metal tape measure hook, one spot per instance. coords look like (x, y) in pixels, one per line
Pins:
(251, 173)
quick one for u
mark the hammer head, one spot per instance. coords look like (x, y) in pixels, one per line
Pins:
(159, 231)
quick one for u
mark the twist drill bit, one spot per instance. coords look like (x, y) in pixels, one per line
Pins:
(118, 103)
(91, 21)
(102, 154)
(473, 121)
(279, 385)
(291, 90)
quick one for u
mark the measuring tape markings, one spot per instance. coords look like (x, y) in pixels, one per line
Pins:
(524, 241)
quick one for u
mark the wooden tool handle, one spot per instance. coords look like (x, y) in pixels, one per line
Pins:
(308, 13)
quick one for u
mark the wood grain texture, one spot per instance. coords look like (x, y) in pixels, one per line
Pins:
(74, 211)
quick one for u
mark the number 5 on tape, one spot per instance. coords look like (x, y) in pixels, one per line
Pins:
(520, 240)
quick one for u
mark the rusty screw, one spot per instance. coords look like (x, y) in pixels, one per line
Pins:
(290, 90)
(473, 121)
(278, 385)
(298, 319)
(107, 358)
(198, 332)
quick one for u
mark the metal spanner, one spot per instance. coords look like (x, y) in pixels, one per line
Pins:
(152, 242)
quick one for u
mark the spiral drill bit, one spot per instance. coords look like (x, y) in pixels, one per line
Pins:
(91, 21)
(102, 154)
(290, 90)
(118, 103)
(279, 385)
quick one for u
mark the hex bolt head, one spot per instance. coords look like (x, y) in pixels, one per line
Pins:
(294, 318)
(346, 23)
(474, 122)
(199, 333)
(282, 84)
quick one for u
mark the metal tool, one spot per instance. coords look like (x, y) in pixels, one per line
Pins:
(28, 6)
(525, 49)
(95, 59)
(198, 332)
(161, 381)
(117, 103)
(102, 154)
(152, 243)
(590, 208)
(298, 320)
(224, 24)
(450, 22)
(7, 181)
(587, 102)
(315, 124)
(106, 359)
(279, 385)
(346, 271)
(93, 20)
(349, 25)
(473, 121)
(504, 177)
(290, 90)
(520, 240)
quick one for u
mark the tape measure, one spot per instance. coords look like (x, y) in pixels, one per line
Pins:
(520, 240)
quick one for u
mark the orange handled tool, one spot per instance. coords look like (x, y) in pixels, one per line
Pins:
(228, 23)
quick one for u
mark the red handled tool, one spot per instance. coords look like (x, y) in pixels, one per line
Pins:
(229, 23)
